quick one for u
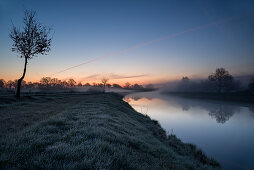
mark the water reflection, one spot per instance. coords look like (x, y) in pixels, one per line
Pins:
(223, 130)
(220, 112)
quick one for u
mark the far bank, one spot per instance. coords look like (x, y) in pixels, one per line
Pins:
(240, 97)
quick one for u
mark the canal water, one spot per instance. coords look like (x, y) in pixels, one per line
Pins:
(224, 131)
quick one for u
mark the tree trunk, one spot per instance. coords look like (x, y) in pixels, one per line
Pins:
(20, 80)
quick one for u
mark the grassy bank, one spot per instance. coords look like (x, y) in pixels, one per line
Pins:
(242, 97)
(88, 131)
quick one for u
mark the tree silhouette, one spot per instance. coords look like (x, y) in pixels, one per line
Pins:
(71, 82)
(80, 84)
(116, 85)
(222, 79)
(31, 41)
(64, 84)
(136, 86)
(45, 81)
(127, 85)
(87, 85)
(185, 78)
(9, 84)
(104, 82)
(54, 82)
(2, 82)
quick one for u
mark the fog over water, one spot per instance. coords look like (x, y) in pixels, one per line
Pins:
(223, 130)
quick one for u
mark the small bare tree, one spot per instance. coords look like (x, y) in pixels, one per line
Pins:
(31, 41)
(127, 85)
(104, 82)
(71, 82)
(2, 82)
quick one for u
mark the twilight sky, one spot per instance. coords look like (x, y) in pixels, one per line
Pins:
(86, 30)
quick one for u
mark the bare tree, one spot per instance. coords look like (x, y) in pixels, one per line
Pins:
(71, 82)
(54, 82)
(80, 84)
(117, 86)
(31, 41)
(45, 81)
(127, 85)
(9, 84)
(2, 82)
(104, 82)
(87, 85)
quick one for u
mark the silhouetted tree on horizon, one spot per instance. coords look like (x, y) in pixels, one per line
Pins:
(150, 86)
(116, 85)
(71, 82)
(185, 78)
(87, 85)
(10, 84)
(80, 84)
(45, 81)
(222, 79)
(104, 82)
(127, 85)
(31, 41)
(2, 82)
(136, 86)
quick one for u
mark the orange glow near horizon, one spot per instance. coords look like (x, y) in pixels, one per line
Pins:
(121, 81)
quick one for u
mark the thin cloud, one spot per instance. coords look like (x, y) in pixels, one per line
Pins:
(116, 76)
(111, 76)
(93, 76)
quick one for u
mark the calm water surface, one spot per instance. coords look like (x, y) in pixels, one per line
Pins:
(222, 130)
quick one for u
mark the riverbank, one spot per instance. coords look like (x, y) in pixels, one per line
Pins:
(88, 131)
(239, 97)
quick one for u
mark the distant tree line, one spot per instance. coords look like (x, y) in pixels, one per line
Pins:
(219, 82)
(48, 82)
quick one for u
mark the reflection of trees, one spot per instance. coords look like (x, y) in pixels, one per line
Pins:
(136, 98)
(222, 113)
(129, 98)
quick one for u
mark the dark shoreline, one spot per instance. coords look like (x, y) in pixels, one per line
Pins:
(237, 97)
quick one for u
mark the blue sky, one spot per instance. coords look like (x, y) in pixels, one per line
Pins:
(84, 30)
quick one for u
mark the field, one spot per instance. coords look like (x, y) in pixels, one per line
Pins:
(87, 131)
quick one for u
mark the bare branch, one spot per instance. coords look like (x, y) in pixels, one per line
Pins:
(33, 39)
